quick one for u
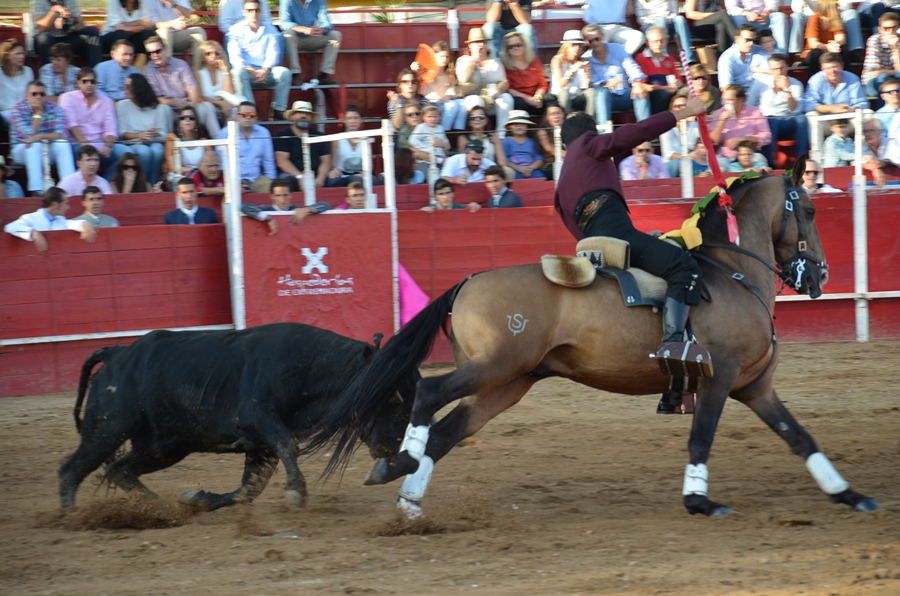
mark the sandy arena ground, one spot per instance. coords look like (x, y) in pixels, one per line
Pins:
(570, 492)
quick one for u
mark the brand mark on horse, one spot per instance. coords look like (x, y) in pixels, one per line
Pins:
(314, 260)
(516, 323)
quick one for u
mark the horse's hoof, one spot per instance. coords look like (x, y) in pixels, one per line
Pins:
(700, 504)
(190, 497)
(867, 505)
(378, 473)
(720, 510)
(295, 498)
(410, 509)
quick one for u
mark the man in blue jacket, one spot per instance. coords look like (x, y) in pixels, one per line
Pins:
(310, 23)
(189, 213)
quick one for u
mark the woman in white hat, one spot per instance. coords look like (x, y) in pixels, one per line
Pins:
(522, 153)
(483, 78)
(570, 75)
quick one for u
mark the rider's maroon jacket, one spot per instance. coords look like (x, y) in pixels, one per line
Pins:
(589, 163)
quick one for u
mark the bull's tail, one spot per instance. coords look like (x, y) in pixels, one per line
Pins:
(102, 355)
(377, 383)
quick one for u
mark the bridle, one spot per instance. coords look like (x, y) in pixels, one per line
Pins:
(795, 270)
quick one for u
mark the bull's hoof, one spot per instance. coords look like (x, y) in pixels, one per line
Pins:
(857, 502)
(384, 471)
(295, 498)
(198, 499)
(410, 509)
(700, 504)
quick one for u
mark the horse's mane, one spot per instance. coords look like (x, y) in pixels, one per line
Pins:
(713, 222)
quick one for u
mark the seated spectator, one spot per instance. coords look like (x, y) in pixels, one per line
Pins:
(92, 201)
(759, 14)
(521, 151)
(748, 159)
(356, 197)
(441, 89)
(174, 85)
(347, 153)
(189, 213)
(112, 73)
(405, 167)
(9, 189)
(51, 216)
(88, 162)
(60, 21)
(610, 17)
(255, 52)
(187, 128)
(664, 14)
(737, 63)
(735, 122)
(662, 71)
(619, 82)
(833, 90)
(839, 149)
(174, 22)
(257, 154)
(289, 150)
(554, 116)
(213, 74)
(508, 16)
(570, 75)
(524, 74)
(670, 141)
(209, 178)
(498, 186)
(824, 33)
(427, 137)
(35, 120)
(129, 178)
(765, 39)
(443, 199)
(14, 76)
(882, 54)
(810, 185)
(700, 160)
(406, 94)
(412, 117)
(60, 74)
(482, 80)
(643, 164)
(144, 124)
(127, 19)
(801, 10)
(711, 21)
(462, 168)
(890, 95)
(91, 117)
(782, 105)
(874, 150)
(309, 26)
(282, 201)
(478, 131)
(700, 81)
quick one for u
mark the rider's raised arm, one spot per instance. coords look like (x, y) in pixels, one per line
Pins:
(629, 136)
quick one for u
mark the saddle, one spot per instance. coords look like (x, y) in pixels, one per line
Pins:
(609, 257)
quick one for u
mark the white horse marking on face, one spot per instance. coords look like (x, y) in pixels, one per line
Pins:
(516, 323)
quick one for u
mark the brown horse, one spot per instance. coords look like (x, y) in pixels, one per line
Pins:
(511, 328)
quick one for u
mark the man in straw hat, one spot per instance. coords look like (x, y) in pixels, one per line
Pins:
(482, 80)
(289, 150)
(590, 200)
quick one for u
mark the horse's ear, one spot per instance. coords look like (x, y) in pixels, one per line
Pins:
(797, 171)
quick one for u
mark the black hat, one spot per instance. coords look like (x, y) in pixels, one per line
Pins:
(475, 145)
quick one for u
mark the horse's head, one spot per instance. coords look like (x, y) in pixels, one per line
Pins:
(798, 247)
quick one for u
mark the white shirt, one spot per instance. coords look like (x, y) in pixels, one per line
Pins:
(776, 104)
(41, 221)
(116, 15)
(12, 89)
(455, 165)
(232, 11)
(420, 138)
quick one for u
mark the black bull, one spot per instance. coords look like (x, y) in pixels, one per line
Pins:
(255, 391)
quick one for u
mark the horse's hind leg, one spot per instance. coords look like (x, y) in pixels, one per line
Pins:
(258, 469)
(773, 412)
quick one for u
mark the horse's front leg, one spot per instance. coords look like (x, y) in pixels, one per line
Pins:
(711, 396)
(764, 401)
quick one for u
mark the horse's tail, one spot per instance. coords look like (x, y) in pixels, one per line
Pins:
(102, 355)
(377, 383)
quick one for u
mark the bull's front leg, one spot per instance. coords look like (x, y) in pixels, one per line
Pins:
(258, 469)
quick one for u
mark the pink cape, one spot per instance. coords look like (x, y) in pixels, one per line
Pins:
(412, 298)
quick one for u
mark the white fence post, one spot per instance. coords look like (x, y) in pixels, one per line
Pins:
(860, 236)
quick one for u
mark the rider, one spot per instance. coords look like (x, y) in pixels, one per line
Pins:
(590, 200)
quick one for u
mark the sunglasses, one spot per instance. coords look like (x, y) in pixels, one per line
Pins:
(89, 81)
(749, 39)
(248, 114)
(701, 78)
(38, 94)
(892, 91)
(251, 10)
(513, 46)
(478, 117)
(129, 166)
(190, 117)
(643, 151)
(413, 113)
(154, 52)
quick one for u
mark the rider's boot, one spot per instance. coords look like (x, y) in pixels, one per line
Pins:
(675, 356)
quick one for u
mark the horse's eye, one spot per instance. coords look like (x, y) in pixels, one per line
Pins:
(811, 212)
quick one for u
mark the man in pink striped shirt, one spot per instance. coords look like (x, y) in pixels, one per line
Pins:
(736, 121)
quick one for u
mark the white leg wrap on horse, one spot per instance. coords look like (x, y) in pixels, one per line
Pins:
(825, 475)
(695, 480)
(415, 485)
(415, 440)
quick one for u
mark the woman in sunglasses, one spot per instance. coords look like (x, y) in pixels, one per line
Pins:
(143, 123)
(710, 94)
(213, 73)
(524, 73)
(130, 177)
(187, 128)
(412, 117)
(406, 95)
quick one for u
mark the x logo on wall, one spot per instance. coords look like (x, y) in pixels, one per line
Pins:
(314, 260)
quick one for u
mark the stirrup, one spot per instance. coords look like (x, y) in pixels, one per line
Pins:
(684, 359)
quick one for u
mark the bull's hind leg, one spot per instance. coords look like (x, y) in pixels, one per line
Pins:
(145, 457)
(773, 412)
(258, 469)
(98, 445)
